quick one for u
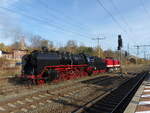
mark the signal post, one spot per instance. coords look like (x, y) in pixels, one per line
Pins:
(120, 45)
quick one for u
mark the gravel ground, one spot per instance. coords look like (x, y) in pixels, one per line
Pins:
(77, 94)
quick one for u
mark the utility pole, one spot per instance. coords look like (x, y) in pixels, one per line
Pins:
(148, 57)
(144, 55)
(138, 48)
(128, 49)
(98, 44)
(137, 53)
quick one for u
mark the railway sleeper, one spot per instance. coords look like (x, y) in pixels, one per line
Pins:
(118, 97)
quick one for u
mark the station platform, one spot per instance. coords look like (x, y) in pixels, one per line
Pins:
(140, 103)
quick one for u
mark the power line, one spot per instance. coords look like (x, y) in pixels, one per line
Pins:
(111, 15)
(36, 19)
(144, 8)
(122, 17)
(139, 46)
(69, 23)
(62, 27)
(41, 20)
(64, 16)
(59, 25)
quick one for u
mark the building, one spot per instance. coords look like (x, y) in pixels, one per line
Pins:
(7, 55)
(0, 53)
(15, 54)
(18, 54)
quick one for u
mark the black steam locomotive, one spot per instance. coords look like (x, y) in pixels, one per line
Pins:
(45, 66)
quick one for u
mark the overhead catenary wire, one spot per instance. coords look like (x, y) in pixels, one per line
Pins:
(56, 19)
(58, 25)
(70, 19)
(42, 20)
(37, 20)
(144, 8)
(122, 17)
(111, 15)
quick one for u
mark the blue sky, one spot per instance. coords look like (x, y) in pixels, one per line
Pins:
(80, 20)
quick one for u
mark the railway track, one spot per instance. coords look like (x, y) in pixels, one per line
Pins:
(117, 100)
(55, 98)
(9, 88)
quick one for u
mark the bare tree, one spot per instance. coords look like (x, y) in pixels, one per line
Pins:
(36, 41)
(44, 43)
(108, 53)
(51, 45)
(71, 46)
(2, 46)
(15, 45)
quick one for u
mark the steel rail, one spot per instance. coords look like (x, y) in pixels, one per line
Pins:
(136, 83)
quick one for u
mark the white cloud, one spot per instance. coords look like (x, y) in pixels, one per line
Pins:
(9, 22)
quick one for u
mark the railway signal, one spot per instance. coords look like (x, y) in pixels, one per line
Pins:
(120, 45)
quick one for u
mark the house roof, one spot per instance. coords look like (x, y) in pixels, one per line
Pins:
(4, 52)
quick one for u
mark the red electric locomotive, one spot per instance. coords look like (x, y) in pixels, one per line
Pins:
(112, 64)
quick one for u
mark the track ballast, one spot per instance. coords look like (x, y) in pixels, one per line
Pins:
(117, 100)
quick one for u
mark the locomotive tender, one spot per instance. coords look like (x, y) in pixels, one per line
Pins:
(40, 67)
